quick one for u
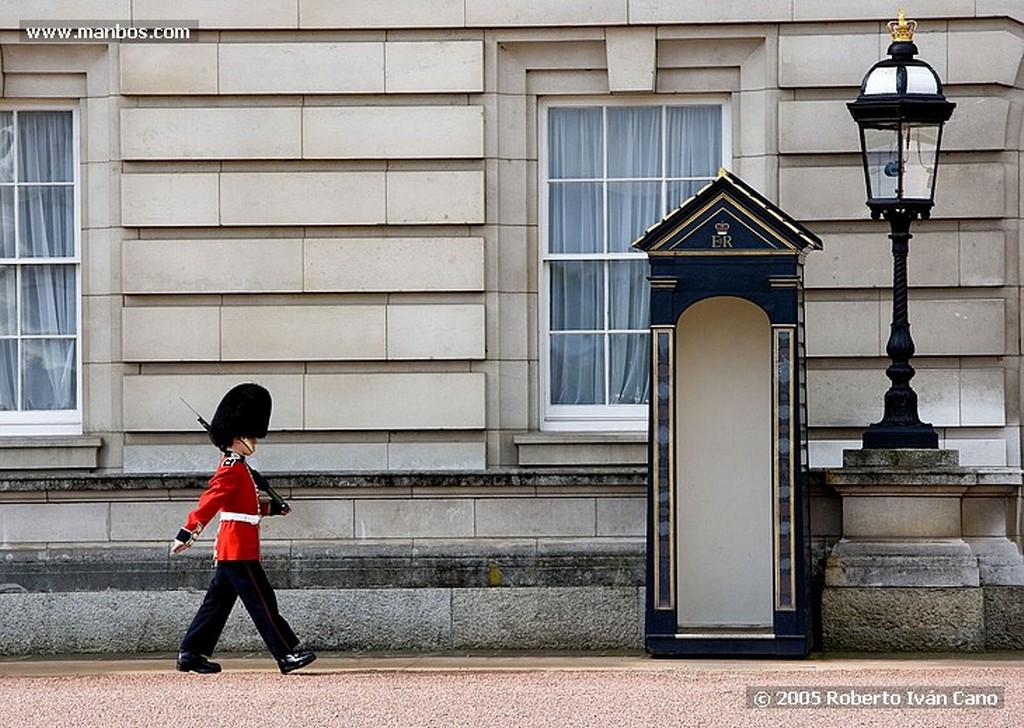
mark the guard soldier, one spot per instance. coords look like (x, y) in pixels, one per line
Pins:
(242, 417)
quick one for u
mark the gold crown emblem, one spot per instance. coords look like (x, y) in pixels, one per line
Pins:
(901, 29)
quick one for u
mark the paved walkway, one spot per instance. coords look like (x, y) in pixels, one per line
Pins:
(516, 690)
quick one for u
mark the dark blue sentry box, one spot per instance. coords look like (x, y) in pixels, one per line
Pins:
(727, 533)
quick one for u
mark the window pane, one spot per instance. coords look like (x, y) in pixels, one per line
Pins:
(882, 147)
(630, 368)
(45, 152)
(632, 208)
(49, 299)
(47, 216)
(577, 296)
(634, 142)
(577, 369)
(920, 147)
(680, 191)
(613, 171)
(38, 300)
(50, 378)
(6, 146)
(574, 143)
(694, 139)
(630, 297)
(8, 374)
(7, 222)
(8, 301)
(575, 214)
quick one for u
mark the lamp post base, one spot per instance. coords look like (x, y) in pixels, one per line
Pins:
(884, 436)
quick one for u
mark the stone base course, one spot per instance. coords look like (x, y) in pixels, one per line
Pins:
(903, 619)
(1004, 617)
(399, 620)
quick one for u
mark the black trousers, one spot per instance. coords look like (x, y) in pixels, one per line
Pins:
(245, 579)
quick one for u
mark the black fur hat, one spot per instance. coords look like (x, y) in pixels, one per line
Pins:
(243, 412)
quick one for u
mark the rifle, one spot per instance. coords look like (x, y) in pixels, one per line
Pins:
(278, 504)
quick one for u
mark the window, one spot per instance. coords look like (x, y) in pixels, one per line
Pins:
(40, 368)
(608, 173)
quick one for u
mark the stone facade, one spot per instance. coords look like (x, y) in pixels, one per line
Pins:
(342, 202)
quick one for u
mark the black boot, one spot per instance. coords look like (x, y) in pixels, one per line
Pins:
(191, 662)
(294, 661)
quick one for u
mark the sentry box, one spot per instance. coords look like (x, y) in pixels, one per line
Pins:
(727, 533)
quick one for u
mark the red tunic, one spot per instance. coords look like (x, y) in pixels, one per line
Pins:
(232, 490)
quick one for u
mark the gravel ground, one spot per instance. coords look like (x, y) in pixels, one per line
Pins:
(518, 692)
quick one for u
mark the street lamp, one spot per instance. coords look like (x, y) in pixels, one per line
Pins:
(900, 112)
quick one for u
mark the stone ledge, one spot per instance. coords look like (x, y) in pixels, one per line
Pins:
(915, 472)
(338, 565)
(607, 477)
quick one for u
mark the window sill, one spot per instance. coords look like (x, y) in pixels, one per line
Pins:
(78, 452)
(550, 449)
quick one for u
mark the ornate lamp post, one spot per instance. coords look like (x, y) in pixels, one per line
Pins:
(900, 112)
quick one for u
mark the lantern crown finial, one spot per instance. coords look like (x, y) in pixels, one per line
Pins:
(901, 29)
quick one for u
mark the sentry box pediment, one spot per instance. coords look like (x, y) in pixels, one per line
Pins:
(727, 535)
(728, 217)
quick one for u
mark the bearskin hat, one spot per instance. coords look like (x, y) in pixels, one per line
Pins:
(243, 412)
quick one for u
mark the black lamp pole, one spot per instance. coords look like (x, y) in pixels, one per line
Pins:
(900, 112)
(900, 426)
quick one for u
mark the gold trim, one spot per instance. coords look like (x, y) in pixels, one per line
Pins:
(660, 283)
(730, 252)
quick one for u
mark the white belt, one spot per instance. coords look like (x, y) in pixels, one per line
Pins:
(244, 517)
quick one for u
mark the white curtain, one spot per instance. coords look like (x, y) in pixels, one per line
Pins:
(577, 359)
(694, 141)
(574, 143)
(41, 304)
(8, 344)
(629, 353)
(6, 146)
(634, 142)
(576, 216)
(49, 308)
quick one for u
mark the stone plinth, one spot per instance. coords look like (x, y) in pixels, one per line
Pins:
(924, 562)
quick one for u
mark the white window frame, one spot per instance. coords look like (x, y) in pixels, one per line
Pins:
(606, 417)
(55, 422)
